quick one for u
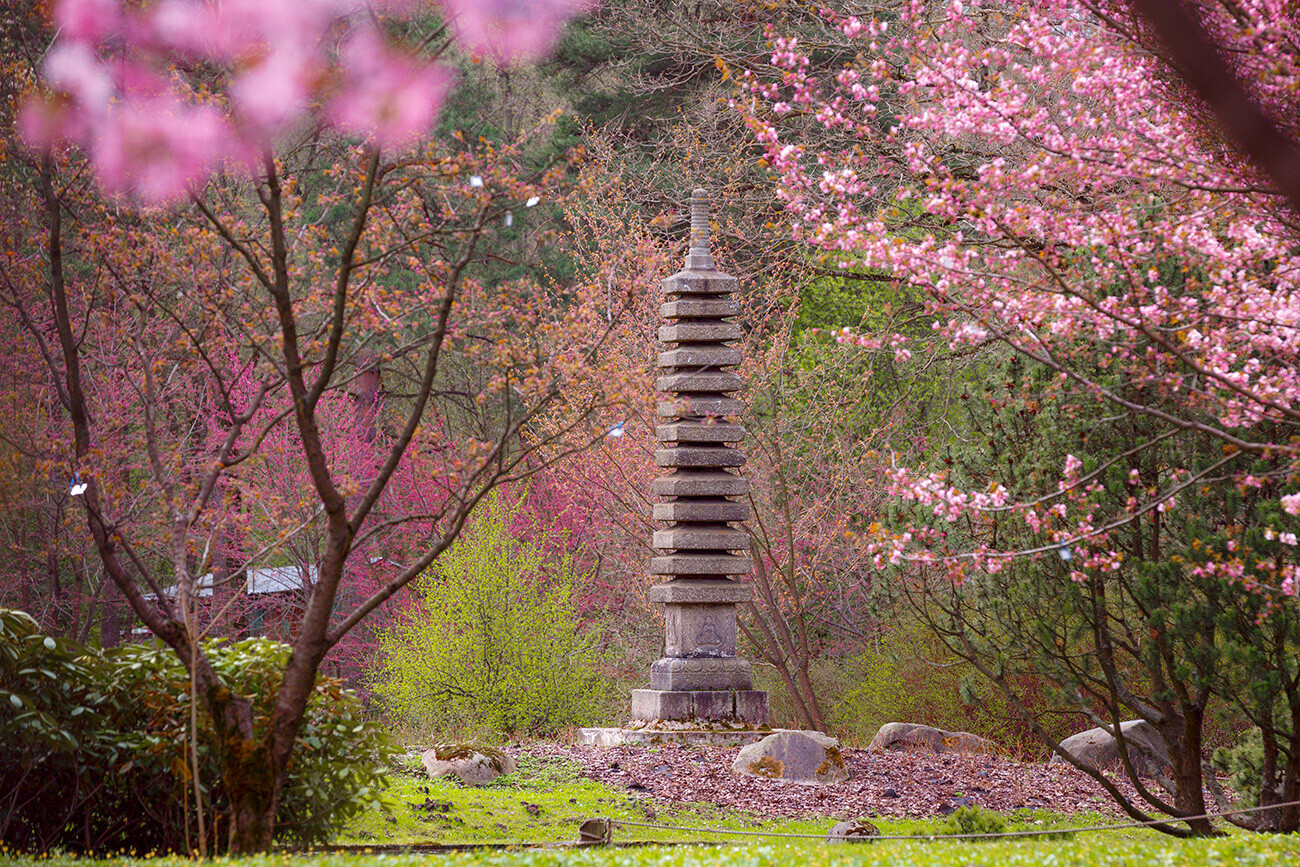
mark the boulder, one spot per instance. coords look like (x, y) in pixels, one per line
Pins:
(797, 756)
(854, 831)
(471, 764)
(911, 738)
(1097, 749)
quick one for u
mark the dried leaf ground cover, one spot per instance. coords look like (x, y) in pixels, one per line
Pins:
(902, 785)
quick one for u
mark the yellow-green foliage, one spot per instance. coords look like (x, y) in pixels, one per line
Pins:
(494, 642)
(909, 676)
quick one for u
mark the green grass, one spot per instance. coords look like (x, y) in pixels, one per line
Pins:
(1094, 849)
(545, 799)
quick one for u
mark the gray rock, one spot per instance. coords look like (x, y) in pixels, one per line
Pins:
(910, 737)
(1097, 749)
(854, 831)
(475, 765)
(797, 756)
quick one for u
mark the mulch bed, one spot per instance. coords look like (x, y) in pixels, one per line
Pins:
(898, 784)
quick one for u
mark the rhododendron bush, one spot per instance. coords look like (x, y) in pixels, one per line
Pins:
(1041, 176)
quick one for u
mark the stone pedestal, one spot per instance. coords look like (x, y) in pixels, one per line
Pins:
(699, 547)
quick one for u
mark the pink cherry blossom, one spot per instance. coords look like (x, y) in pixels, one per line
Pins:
(118, 92)
(511, 31)
(388, 95)
(274, 90)
(157, 148)
(87, 20)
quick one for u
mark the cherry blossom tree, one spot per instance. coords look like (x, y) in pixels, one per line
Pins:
(274, 327)
(1057, 193)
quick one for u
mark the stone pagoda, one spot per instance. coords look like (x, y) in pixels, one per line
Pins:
(699, 550)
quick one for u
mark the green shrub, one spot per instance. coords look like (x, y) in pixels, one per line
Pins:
(494, 641)
(1244, 763)
(974, 820)
(908, 675)
(59, 745)
(96, 746)
(338, 764)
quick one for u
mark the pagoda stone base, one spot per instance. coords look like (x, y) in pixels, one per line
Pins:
(706, 673)
(704, 705)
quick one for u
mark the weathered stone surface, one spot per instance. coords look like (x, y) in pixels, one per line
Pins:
(853, 831)
(690, 282)
(660, 704)
(700, 564)
(701, 591)
(472, 764)
(699, 382)
(913, 737)
(732, 705)
(701, 356)
(1097, 749)
(910, 737)
(699, 456)
(700, 623)
(699, 432)
(699, 630)
(688, 405)
(706, 672)
(703, 483)
(797, 756)
(699, 307)
(696, 510)
(698, 538)
(700, 332)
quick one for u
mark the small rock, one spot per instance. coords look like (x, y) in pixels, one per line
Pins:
(947, 808)
(889, 793)
(532, 809)
(854, 831)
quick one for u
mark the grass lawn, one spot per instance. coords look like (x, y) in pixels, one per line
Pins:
(546, 799)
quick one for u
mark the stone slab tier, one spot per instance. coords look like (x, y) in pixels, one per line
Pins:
(699, 591)
(701, 510)
(699, 407)
(655, 732)
(699, 332)
(699, 432)
(699, 456)
(696, 537)
(718, 673)
(701, 564)
(693, 282)
(695, 308)
(698, 382)
(700, 357)
(701, 483)
(732, 705)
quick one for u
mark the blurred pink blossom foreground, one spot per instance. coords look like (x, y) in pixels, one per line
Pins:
(119, 82)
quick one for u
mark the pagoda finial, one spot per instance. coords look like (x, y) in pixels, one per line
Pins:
(698, 258)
